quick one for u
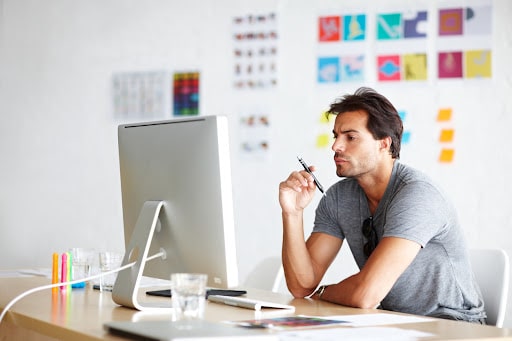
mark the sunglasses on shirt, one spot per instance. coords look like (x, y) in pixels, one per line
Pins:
(370, 234)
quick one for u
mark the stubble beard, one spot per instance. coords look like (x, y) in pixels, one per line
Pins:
(354, 171)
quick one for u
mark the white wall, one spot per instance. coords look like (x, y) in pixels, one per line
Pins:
(59, 181)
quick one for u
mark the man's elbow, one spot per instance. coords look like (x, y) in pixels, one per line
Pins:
(299, 292)
(365, 301)
(301, 287)
(366, 304)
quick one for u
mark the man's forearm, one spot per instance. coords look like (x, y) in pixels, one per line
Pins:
(297, 264)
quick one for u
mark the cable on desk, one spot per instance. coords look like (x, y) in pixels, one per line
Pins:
(160, 254)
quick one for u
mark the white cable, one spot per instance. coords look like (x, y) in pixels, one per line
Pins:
(49, 286)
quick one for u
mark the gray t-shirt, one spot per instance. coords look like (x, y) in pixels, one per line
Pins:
(439, 282)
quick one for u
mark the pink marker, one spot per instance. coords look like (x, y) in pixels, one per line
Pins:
(64, 270)
(69, 269)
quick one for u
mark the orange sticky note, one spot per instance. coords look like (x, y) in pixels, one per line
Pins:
(446, 135)
(446, 155)
(444, 114)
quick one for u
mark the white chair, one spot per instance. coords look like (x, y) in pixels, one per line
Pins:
(491, 268)
(279, 280)
(263, 275)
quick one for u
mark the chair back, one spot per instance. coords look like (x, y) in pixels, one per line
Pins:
(491, 269)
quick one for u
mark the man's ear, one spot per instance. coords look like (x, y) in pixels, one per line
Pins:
(385, 144)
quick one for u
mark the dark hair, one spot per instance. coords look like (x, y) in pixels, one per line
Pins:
(383, 118)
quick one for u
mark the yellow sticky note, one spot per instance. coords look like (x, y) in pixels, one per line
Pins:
(444, 114)
(446, 155)
(324, 117)
(322, 140)
(446, 135)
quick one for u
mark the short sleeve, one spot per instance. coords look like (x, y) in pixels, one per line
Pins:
(326, 218)
(418, 212)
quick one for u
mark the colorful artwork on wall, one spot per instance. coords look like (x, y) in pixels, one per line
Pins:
(415, 24)
(450, 64)
(329, 28)
(409, 24)
(328, 70)
(389, 68)
(415, 66)
(461, 42)
(140, 95)
(464, 35)
(478, 63)
(398, 59)
(255, 41)
(186, 94)
(352, 67)
(336, 28)
(389, 26)
(335, 34)
(450, 21)
(254, 132)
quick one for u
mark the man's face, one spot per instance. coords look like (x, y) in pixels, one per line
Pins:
(356, 152)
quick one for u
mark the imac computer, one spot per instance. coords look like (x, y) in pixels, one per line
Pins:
(177, 201)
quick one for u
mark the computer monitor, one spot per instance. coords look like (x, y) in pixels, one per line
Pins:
(177, 197)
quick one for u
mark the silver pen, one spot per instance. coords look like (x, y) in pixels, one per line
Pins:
(315, 180)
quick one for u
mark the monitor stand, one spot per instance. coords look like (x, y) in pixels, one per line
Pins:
(126, 287)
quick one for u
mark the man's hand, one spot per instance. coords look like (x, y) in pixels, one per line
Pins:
(296, 192)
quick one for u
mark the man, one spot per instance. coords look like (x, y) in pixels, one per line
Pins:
(402, 230)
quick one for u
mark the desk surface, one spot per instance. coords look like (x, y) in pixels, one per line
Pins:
(80, 314)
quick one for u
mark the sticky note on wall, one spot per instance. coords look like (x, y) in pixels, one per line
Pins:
(406, 135)
(446, 155)
(325, 118)
(446, 135)
(322, 141)
(324, 135)
(444, 115)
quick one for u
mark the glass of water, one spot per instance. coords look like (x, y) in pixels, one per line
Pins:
(188, 295)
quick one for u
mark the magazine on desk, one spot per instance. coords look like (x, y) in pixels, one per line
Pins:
(288, 322)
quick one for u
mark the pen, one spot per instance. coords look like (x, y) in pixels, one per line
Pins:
(317, 183)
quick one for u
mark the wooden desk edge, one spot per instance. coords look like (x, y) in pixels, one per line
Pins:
(23, 316)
